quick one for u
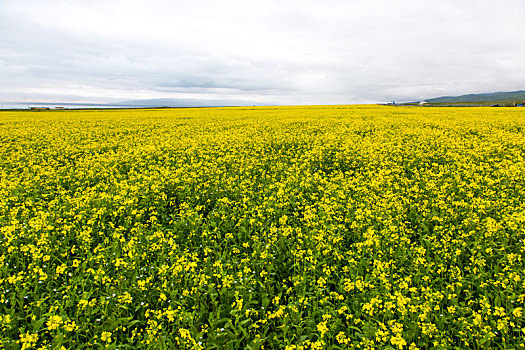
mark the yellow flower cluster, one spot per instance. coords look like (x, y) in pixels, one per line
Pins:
(343, 227)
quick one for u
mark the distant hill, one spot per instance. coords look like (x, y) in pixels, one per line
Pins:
(168, 102)
(514, 96)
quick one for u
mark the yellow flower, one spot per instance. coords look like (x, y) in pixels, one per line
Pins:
(170, 314)
(105, 337)
(398, 341)
(341, 338)
(477, 319)
(28, 340)
(60, 269)
(184, 333)
(70, 326)
(413, 346)
(322, 328)
(54, 322)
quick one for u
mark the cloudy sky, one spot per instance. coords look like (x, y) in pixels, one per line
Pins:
(259, 52)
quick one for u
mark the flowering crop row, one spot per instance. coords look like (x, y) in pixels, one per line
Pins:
(341, 227)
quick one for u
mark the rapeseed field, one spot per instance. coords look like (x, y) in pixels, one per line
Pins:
(322, 227)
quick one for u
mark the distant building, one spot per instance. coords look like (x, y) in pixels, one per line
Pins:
(39, 108)
(422, 103)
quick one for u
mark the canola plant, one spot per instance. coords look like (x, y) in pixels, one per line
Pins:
(320, 227)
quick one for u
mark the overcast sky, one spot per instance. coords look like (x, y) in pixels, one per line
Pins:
(267, 52)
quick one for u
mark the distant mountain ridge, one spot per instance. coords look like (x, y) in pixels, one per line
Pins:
(169, 102)
(513, 96)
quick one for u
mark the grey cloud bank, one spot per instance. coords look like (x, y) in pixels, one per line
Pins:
(268, 52)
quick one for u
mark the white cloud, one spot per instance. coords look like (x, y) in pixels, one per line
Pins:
(266, 51)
